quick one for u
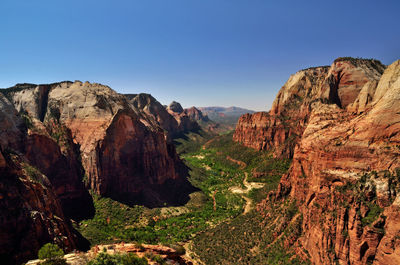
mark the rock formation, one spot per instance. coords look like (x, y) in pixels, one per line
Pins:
(74, 136)
(195, 114)
(345, 170)
(175, 120)
(346, 83)
(30, 213)
(186, 122)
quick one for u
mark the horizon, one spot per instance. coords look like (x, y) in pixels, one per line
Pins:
(198, 54)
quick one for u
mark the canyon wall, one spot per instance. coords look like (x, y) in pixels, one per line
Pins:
(345, 174)
(31, 214)
(281, 128)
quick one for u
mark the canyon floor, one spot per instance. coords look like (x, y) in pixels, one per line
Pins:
(231, 180)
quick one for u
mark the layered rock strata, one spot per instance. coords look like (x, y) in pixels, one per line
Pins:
(346, 167)
(347, 83)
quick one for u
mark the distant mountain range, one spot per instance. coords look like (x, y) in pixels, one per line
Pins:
(224, 115)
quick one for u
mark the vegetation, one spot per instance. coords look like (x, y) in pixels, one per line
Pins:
(253, 238)
(118, 259)
(52, 254)
(216, 165)
(33, 173)
(364, 194)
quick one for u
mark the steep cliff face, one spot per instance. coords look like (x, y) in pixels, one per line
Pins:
(345, 171)
(348, 83)
(280, 129)
(123, 156)
(30, 212)
(49, 147)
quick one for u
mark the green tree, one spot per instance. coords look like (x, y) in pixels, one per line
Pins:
(52, 254)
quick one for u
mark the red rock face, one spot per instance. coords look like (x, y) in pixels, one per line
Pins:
(124, 154)
(64, 172)
(134, 162)
(344, 174)
(280, 129)
(173, 119)
(347, 84)
(30, 213)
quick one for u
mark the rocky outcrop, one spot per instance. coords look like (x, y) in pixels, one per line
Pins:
(280, 129)
(175, 107)
(195, 114)
(186, 123)
(157, 113)
(348, 83)
(345, 170)
(175, 120)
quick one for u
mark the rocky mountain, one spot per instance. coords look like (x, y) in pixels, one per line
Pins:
(186, 120)
(59, 140)
(196, 114)
(175, 120)
(341, 126)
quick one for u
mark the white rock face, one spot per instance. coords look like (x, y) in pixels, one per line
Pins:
(9, 123)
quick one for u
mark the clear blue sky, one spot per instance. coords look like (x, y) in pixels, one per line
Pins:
(198, 52)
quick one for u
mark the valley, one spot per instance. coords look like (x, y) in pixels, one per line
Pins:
(123, 179)
(224, 195)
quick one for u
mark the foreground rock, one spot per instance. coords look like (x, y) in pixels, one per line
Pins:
(168, 254)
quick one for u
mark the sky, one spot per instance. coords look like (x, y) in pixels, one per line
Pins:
(197, 52)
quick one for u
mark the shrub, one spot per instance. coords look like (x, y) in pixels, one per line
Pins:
(52, 254)
(118, 259)
(49, 251)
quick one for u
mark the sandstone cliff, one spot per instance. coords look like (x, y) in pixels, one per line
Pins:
(346, 83)
(345, 170)
(30, 212)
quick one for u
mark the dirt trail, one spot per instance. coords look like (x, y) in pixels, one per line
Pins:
(249, 186)
(240, 163)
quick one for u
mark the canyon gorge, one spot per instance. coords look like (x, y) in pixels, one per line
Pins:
(330, 143)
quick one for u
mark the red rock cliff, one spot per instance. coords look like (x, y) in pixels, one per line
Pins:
(349, 84)
(124, 156)
(30, 212)
(345, 170)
